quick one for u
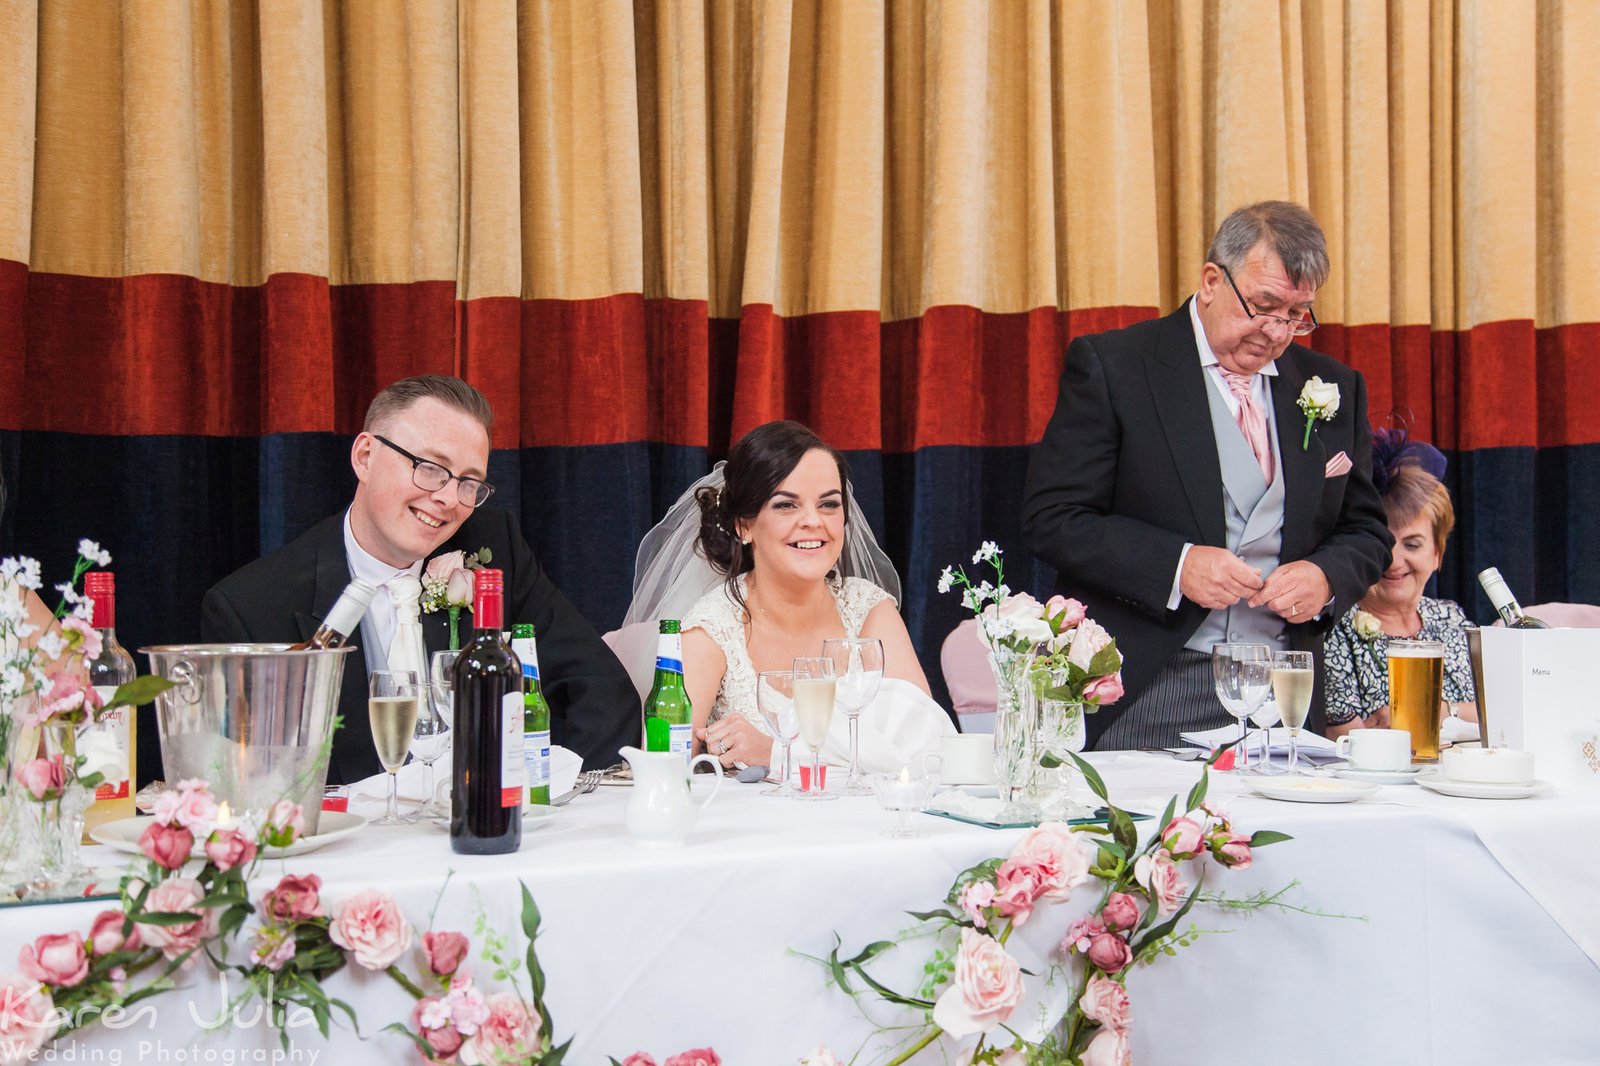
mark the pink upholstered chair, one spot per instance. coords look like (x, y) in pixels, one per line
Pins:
(1567, 615)
(973, 693)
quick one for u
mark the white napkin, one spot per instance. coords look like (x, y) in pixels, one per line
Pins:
(1310, 743)
(900, 724)
(1455, 730)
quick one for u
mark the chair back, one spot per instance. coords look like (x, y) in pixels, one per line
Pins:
(965, 662)
(1567, 615)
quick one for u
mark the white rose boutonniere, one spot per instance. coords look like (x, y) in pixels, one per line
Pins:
(1366, 625)
(1319, 400)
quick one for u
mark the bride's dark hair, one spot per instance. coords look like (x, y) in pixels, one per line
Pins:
(756, 467)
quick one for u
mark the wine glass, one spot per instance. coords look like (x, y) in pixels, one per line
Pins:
(429, 742)
(392, 697)
(1292, 677)
(1241, 673)
(1265, 718)
(814, 690)
(775, 700)
(441, 685)
(858, 671)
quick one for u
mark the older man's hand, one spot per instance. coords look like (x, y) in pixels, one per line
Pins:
(1295, 592)
(1215, 577)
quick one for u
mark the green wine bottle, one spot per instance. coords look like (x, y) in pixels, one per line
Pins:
(667, 713)
(535, 716)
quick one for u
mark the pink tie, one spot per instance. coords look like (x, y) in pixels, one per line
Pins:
(1252, 423)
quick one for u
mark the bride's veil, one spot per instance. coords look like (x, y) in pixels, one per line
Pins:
(670, 574)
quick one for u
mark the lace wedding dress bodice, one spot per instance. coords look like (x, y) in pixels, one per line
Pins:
(721, 619)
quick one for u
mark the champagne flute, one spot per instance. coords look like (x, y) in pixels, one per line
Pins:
(429, 741)
(814, 689)
(1240, 674)
(1292, 677)
(858, 671)
(392, 713)
(775, 700)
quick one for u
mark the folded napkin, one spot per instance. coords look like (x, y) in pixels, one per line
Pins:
(564, 767)
(1457, 730)
(1312, 744)
(897, 728)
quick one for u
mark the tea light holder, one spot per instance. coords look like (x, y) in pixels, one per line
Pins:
(905, 794)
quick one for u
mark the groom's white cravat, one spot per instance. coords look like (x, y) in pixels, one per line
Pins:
(407, 651)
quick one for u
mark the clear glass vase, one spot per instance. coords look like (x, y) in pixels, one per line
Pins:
(1061, 733)
(1015, 720)
(42, 856)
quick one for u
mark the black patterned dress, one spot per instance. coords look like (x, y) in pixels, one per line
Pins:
(1356, 670)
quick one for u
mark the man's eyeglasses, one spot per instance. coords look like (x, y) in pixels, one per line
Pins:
(1297, 327)
(431, 477)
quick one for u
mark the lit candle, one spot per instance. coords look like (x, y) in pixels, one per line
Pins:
(224, 816)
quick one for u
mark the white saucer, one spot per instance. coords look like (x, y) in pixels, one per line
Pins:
(124, 833)
(1308, 789)
(1437, 782)
(1379, 777)
(537, 816)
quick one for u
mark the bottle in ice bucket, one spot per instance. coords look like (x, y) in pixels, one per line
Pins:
(535, 715)
(486, 766)
(666, 711)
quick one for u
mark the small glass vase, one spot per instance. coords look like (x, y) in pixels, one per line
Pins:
(1015, 720)
(47, 862)
(1061, 733)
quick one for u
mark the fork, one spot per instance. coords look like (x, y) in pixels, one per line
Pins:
(587, 781)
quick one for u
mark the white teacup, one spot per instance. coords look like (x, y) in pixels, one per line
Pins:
(1487, 766)
(964, 759)
(1386, 750)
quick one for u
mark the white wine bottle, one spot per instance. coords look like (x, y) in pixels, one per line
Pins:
(347, 613)
(1499, 593)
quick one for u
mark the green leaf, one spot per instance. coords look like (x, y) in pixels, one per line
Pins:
(1262, 837)
(1157, 933)
(1122, 829)
(1197, 794)
(139, 691)
(984, 871)
(931, 916)
(1097, 784)
(1106, 661)
(1049, 761)
(1166, 815)
(165, 918)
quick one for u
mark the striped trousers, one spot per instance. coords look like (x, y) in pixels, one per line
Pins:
(1181, 699)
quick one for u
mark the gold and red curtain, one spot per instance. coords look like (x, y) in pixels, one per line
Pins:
(642, 228)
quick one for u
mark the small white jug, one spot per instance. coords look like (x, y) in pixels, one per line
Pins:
(660, 810)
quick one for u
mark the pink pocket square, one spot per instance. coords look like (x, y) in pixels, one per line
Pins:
(1337, 466)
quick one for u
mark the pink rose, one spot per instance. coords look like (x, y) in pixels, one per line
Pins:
(67, 694)
(1109, 952)
(1016, 887)
(1121, 911)
(1231, 849)
(1057, 857)
(176, 895)
(168, 846)
(89, 643)
(1106, 1002)
(43, 777)
(27, 1018)
(458, 590)
(105, 935)
(1108, 1048)
(228, 848)
(196, 811)
(1065, 613)
(274, 947)
(983, 992)
(1184, 837)
(440, 567)
(445, 951)
(703, 1056)
(56, 959)
(1160, 877)
(509, 1034)
(465, 1007)
(639, 1058)
(1081, 933)
(441, 1036)
(286, 823)
(294, 900)
(975, 898)
(820, 1055)
(1087, 640)
(1104, 690)
(369, 926)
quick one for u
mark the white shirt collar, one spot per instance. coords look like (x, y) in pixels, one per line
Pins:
(368, 567)
(1208, 358)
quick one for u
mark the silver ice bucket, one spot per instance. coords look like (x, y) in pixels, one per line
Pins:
(253, 720)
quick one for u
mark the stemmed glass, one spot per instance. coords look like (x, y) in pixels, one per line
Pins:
(1265, 718)
(858, 671)
(392, 697)
(1242, 675)
(775, 700)
(441, 685)
(814, 690)
(429, 742)
(1292, 677)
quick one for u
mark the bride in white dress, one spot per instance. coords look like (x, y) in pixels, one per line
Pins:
(773, 524)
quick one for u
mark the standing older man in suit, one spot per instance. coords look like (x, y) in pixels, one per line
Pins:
(420, 463)
(1176, 491)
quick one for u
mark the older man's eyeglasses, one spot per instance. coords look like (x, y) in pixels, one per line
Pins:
(431, 477)
(1297, 327)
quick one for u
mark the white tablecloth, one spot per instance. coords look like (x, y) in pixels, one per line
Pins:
(1455, 962)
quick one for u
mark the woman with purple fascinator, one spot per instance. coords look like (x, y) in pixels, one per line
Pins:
(1409, 475)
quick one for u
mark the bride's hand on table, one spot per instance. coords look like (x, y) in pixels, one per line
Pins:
(735, 740)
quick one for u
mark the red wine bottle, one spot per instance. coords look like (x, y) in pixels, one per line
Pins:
(487, 771)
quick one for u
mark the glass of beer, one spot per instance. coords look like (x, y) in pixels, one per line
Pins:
(1416, 692)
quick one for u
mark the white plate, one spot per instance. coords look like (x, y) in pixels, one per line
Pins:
(1437, 782)
(1309, 789)
(124, 833)
(1378, 777)
(537, 816)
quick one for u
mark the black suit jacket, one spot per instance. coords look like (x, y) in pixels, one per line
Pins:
(282, 597)
(1127, 473)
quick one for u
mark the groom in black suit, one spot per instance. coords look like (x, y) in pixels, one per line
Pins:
(1176, 493)
(393, 526)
